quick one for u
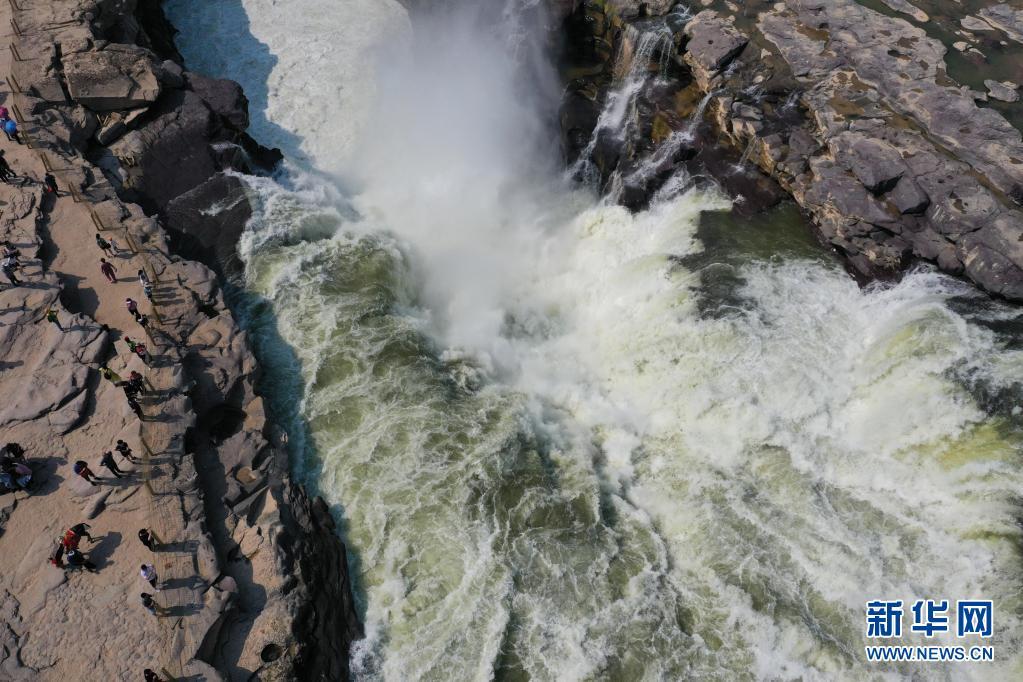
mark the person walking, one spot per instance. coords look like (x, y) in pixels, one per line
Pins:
(125, 450)
(6, 173)
(11, 130)
(82, 531)
(110, 464)
(147, 539)
(129, 389)
(147, 285)
(75, 559)
(104, 245)
(82, 469)
(110, 375)
(143, 321)
(136, 408)
(50, 183)
(13, 451)
(137, 382)
(140, 350)
(9, 265)
(148, 574)
(108, 270)
(132, 305)
(51, 316)
(149, 604)
(149, 676)
(57, 555)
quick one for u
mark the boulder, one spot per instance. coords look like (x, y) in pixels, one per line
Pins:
(1004, 91)
(112, 79)
(975, 24)
(169, 154)
(908, 197)
(1005, 18)
(909, 8)
(876, 164)
(210, 218)
(226, 98)
(713, 43)
(642, 8)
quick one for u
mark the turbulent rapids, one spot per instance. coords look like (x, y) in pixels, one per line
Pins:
(570, 442)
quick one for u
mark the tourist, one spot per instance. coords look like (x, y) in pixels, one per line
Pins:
(76, 559)
(136, 408)
(143, 321)
(140, 350)
(51, 316)
(110, 375)
(126, 452)
(143, 278)
(13, 451)
(50, 183)
(9, 265)
(14, 475)
(83, 470)
(9, 250)
(137, 382)
(147, 289)
(147, 539)
(130, 389)
(132, 305)
(149, 676)
(110, 464)
(70, 539)
(104, 245)
(108, 270)
(148, 574)
(11, 129)
(149, 604)
(4, 114)
(81, 530)
(57, 555)
(6, 173)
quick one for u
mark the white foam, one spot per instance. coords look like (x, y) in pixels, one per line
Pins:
(546, 457)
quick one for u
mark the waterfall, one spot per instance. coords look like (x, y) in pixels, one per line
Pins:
(746, 153)
(689, 132)
(561, 445)
(617, 119)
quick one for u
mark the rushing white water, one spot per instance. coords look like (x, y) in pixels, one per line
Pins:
(550, 463)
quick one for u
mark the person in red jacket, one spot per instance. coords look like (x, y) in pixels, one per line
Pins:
(108, 270)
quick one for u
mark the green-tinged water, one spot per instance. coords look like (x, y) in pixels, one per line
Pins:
(566, 442)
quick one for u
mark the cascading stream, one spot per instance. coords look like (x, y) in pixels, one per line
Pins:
(551, 462)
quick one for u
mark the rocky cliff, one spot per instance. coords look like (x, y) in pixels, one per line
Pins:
(255, 578)
(851, 107)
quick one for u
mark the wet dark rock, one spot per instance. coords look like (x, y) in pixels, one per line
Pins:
(853, 114)
(224, 97)
(209, 219)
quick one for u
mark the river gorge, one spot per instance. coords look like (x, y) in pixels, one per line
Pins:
(569, 441)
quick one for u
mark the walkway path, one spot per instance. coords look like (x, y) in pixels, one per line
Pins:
(47, 609)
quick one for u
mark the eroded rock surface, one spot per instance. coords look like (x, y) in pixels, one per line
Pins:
(256, 579)
(850, 111)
